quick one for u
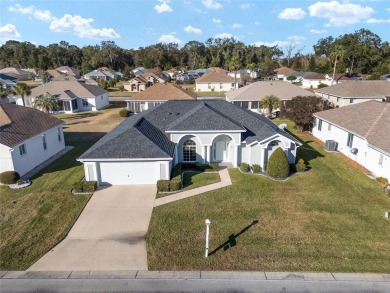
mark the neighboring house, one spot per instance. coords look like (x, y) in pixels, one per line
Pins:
(362, 133)
(136, 84)
(51, 73)
(311, 81)
(103, 73)
(17, 73)
(385, 77)
(283, 72)
(69, 71)
(145, 147)
(73, 96)
(239, 74)
(250, 96)
(7, 81)
(138, 71)
(215, 81)
(156, 95)
(152, 77)
(338, 78)
(356, 91)
(218, 70)
(28, 137)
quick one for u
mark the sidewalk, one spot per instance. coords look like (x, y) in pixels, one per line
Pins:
(225, 181)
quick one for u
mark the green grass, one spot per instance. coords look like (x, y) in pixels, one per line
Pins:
(327, 219)
(213, 94)
(36, 218)
(193, 180)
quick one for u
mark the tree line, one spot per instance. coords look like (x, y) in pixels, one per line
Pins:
(360, 52)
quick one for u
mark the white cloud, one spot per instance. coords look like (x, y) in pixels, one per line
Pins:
(169, 39)
(81, 27)
(216, 20)
(340, 14)
(237, 25)
(374, 20)
(191, 29)
(292, 13)
(272, 44)
(296, 38)
(212, 4)
(44, 15)
(314, 31)
(223, 36)
(246, 6)
(19, 8)
(163, 7)
(8, 32)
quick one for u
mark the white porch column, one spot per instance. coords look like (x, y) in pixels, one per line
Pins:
(176, 155)
(235, 159)
(208, 149)
(204, 153)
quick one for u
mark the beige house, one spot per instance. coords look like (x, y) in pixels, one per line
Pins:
(156, 95)
(137, 84)
(215, 81)
(355, 91)
(249, 96)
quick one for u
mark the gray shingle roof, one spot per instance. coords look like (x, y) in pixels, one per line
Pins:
(19, 123)
(358, 89)
(370, 120)
(145, 135)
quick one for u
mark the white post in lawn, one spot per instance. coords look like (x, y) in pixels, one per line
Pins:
(207, 236)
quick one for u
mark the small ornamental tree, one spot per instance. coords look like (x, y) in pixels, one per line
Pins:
(291, 78)
(277, 165)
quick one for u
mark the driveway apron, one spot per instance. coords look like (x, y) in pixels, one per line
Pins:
(108, 235)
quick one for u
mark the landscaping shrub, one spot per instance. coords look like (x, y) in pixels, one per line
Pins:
(382, 180)
(9, 177)
(256, 168)
(162, 185)
(124, 113)
(78, 187)
(244, 167)
(300, 166)
(175, 184)
(278, 166)
(89, 186)
(321, 85)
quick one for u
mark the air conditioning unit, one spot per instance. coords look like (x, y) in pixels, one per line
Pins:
(330, 145)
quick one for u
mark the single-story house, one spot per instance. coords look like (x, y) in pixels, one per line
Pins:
(28, 137)
(385, 77)
(7, 81)
(156, 95)
(139, 70)
(69, 71)
(152, 77)
(239, 74)
(361, 132)
(214, 81)
(338, 78)
(73, 96)
(17, 73)
(217, 69)
(283, 72)
(137, 84)
(145, 147)
(355, 91)
(103, 73)
(311, 81)
(249, 96)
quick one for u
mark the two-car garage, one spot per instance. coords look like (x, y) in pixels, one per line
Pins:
(126, 172)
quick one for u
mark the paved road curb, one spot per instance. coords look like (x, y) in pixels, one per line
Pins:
(185, 275)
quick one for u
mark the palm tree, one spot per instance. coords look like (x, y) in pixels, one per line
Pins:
(336, 55)
(46, 102)
(234, 65)
(21, 89)
(270, 102)
(3, 92)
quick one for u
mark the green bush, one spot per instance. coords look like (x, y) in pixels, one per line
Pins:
(175, 184)
(382, 180)
(78, 187)
(162, 185)
(300, 166)
(124, 113)
(256, 168)
(321, 85)
(9, 177)
(278, 166)
(244, 167)
(89, 186)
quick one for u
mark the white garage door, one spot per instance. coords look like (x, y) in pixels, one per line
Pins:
(126, 173)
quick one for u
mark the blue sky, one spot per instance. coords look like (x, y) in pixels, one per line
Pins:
(139, 23)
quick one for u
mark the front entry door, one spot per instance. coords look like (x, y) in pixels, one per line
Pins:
(220, 151)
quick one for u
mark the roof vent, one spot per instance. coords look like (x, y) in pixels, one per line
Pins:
(282, 126)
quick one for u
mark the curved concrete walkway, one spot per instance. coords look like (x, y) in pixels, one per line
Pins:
(225, 181)
(108, 235)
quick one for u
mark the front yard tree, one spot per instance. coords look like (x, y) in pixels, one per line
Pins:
(3, 92)
(277, 165)
(336, 55)
(270, 102)
(21, 89)
(46, 102)
(301, 109)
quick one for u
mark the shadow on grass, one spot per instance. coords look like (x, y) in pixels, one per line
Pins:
(305, 151)
(231, 242)
(117, 104)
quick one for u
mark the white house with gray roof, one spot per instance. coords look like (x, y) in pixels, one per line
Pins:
(361, 132)
(145, 147)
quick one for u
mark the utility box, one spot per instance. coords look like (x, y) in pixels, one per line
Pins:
(330, 145)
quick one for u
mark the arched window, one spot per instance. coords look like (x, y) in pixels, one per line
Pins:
(274, 143)
(189, 151)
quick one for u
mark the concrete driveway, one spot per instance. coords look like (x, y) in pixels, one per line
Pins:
(109, 234)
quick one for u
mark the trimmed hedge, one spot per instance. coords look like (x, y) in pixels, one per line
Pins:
(85, 186)
(382, 180)
(175, 184)
(78, 187)
(124, 113)
(256, 168)
(300, 166)
(244, 167)
(9, 177)
(278, 166)
(162, 185)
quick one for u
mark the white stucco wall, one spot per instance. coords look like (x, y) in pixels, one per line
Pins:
(217, 86)
(366, 156)
(341, 102)
(6, 163)
(101, 101)
(35, 154)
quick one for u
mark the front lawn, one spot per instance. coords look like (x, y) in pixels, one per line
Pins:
(193, 180)
(328, 219)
